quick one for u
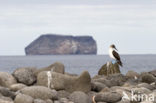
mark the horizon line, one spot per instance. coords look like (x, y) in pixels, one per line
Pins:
(82, 54)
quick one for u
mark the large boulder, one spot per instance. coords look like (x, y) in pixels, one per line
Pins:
(147, 78)
(40, 92)
(110, 97)
(52, 44)
(109, 68)
(97, 86)
(22, 98)
(63, 94)
(6, 79)
(132, 74)
(59, 81)
(112, 80)
(79, 97)
(56, 67)
(119, 78)
(122, 91)
(25, 75)
(108, 83)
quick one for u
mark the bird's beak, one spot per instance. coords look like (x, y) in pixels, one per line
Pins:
(116, 49)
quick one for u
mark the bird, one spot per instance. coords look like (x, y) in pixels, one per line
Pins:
(114, 54)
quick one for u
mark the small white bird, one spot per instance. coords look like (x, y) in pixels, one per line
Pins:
(114, 55)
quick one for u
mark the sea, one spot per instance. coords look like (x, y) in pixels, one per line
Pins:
(76, 64)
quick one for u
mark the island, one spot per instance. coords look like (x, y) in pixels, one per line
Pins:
(52, 44)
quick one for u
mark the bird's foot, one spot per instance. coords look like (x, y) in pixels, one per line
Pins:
(114, 61)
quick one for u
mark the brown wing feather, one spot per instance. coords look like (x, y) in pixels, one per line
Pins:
(116, 55)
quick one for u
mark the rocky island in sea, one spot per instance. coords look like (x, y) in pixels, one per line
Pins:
(52, 84)
(51, 44)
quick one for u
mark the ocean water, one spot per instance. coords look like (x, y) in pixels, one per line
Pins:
(78, 63)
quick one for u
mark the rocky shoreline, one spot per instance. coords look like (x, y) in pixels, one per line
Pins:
(53, 85)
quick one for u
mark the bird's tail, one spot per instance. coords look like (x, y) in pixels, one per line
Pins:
(120, 63)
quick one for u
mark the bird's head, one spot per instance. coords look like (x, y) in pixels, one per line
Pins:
(113, 47)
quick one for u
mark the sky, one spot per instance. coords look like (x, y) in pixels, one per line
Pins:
(129, 24)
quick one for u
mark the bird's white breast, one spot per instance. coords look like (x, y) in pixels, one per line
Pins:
(111, 53)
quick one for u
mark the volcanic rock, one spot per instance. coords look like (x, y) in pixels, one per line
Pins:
(109, 68)
(79, 97)
(21, 98)
(60, 81)
(148, 78)
(110, 97)
(25, 75)
(40, 92)
(56, 67)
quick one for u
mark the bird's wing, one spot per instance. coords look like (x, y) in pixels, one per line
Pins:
(116, 55)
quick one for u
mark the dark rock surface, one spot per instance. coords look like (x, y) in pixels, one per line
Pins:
(56, 67)
(132, 74)
(40, 92)
(97, 86)
(63, 94)
(147, 78)
(21, 98)
(109, 68)
(60, 81)
(25, 75)
(79, 97)
(62, 45)
(108, 97)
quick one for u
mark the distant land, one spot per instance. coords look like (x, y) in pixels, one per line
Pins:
(52, 44)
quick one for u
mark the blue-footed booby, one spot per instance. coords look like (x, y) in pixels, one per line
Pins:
(114, 54)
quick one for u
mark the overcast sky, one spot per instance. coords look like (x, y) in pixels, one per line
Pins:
(130, 24)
